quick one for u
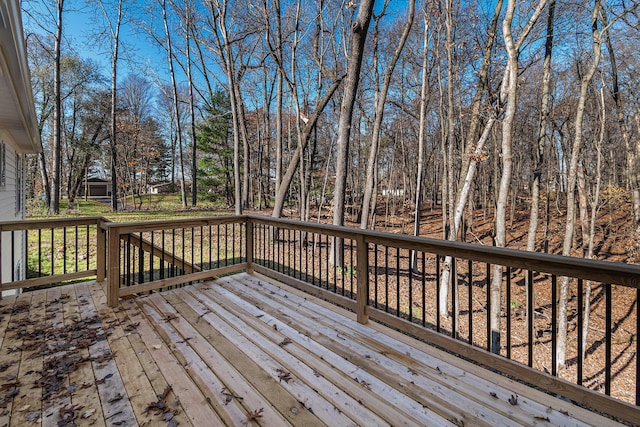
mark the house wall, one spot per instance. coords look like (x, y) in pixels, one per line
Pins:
(11, 209)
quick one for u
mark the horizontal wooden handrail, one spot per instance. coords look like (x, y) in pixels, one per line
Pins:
(35, 224)
(158, 225)
(581, 268)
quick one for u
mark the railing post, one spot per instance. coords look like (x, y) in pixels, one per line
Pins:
(250, 245)
(113, 263)
(362, 272)
(101, 260)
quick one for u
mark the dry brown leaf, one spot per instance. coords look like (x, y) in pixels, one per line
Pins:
(254, 415)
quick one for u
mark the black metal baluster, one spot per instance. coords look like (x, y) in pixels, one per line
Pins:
(162, 267)
(151, 262)
(233, 243)
(226, 245)
(352, 272)
(637, 346)
(39, 252)
(608, 338)
(424, 290)
(470, 302)
(210, 247)
(13, 256)
(453, 287)
(437, 292)
(140, 262)
(218, 247)
(580, 332)
(53, 257)
(327, 250)
(77, 252)
(386, 279)
(127, 261)
(488, 319)
(375, 275)
(88, 251)
(319, 258)
(193, 250)
(508, 312)
(554, 325)
(397, 281)
(410, 272)
(344, 242)
(64, 250)
(173, 252)
(530, 316)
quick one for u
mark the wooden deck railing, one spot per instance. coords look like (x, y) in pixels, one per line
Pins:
(162, 254)
(396, 279)
(51, 251)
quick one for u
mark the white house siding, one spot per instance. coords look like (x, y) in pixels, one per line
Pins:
(13, 264)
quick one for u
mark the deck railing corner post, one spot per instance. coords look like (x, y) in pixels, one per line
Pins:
(101, 259)
(250, 244)
(113, 265)
(362, 274)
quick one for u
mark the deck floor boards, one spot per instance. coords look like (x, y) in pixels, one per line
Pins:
(240, 350)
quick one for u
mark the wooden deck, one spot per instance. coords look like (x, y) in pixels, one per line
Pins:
(241, 350)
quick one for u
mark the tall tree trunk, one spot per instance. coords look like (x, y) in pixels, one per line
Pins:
(279, 97)
(379, 114)
(54, 206)
(176, 106)
(421, 138)
(542, 132)
(511, 90)
(592, 226)
(571, 183)
(474, 152)
(114, 29)
(192, 114)
(359, 29)
(632, 164)
(219, 12)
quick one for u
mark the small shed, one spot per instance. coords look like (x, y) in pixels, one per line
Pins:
(96, 187)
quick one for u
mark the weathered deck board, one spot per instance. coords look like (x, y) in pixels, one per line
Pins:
(244, 350)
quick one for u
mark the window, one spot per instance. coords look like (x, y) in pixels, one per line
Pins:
(19, 185)
(3, 165)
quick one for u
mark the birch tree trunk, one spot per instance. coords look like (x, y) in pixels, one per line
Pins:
(592, 225)
(475, 152)
(542, 132)
(571, 183)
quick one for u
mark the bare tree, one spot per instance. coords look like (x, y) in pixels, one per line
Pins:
(379, 114)
(114, 30)
(54, 207)
(359, 29)
(176, 107)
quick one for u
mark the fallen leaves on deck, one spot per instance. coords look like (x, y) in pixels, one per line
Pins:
(254, 415)
(161, 408)
(284, 375)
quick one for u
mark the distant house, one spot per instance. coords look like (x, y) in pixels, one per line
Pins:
(96, 187)
(18, 135)
(160, 188)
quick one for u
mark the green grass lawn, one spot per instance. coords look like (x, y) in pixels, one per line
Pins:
(154, 207)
